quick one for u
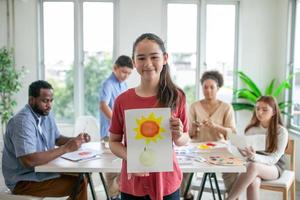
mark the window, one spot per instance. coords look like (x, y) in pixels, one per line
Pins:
(207, 42)
(294, 67)
(59, 55)
(98, 50)
(220, 44)
(182, 46)
(76, 52)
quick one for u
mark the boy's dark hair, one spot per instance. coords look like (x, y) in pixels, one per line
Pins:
(124, 61)
(36, 86)
(214, 75)
(167, 94)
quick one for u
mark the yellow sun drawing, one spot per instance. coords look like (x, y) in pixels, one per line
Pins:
(149, 128)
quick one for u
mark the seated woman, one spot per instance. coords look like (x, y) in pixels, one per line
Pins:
(210, 120)
(268, 164)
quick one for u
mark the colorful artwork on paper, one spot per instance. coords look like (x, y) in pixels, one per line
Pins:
(149, 143)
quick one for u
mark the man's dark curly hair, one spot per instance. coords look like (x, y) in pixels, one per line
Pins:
(214, 75)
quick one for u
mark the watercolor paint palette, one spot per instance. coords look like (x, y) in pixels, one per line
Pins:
(210, 145)
(225, 160)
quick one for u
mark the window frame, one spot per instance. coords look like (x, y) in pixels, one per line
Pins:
(201, 35)
(78, 47)
(290, 58)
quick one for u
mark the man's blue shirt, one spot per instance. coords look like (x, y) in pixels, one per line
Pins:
(23, 137)
(110, 90)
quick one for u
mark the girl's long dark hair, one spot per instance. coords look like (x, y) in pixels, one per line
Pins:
(272, 137)
(167, 94)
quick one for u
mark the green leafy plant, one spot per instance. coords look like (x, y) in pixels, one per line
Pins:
(251, 93)
(9, 85)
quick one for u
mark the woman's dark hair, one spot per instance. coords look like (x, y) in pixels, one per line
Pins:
(167, 94)
(272, 137)
(214, 75)
(36, 86)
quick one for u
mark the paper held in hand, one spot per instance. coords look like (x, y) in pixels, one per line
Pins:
(258, 141)
(149, 141)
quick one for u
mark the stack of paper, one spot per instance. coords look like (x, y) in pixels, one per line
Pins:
(258, 142)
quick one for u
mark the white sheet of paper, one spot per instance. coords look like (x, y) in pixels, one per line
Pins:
(149, 141)
(258, 142)
(82, 155)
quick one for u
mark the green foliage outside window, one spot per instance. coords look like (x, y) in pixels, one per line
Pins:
(10, 84)
(63, 105)
(95, 71)
(189, 91)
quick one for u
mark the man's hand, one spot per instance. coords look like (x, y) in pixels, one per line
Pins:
(66, 145)
(72, 145)
(85, 137)
(75, 143)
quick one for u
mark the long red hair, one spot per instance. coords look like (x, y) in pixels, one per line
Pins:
(275, 122)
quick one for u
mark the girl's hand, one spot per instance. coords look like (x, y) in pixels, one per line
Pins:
(130, 175)
(248, 152)
(176, 127)
(242, 152)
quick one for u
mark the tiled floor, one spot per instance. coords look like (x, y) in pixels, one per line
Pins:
(265, 195)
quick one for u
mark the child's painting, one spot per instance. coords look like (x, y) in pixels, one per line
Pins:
(149, 140)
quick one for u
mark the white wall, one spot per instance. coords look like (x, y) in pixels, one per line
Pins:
(26, 44)
(137, 17)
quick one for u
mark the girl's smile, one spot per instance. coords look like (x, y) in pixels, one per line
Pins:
(149, 59)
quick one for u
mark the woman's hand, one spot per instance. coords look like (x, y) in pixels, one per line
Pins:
(209, 123)
(130, 175)
(196, 125)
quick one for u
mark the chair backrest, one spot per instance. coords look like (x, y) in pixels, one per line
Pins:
(290, 150)
(87, 124)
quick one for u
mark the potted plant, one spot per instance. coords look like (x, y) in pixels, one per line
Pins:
(251, 93)
(9, 85)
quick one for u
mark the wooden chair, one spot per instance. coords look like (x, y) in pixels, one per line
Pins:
(287, 181)
(87, 124)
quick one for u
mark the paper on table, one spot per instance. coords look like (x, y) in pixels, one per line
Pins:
(82, 155)
(258, 141)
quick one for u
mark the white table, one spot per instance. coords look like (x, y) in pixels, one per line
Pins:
(110, 163)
